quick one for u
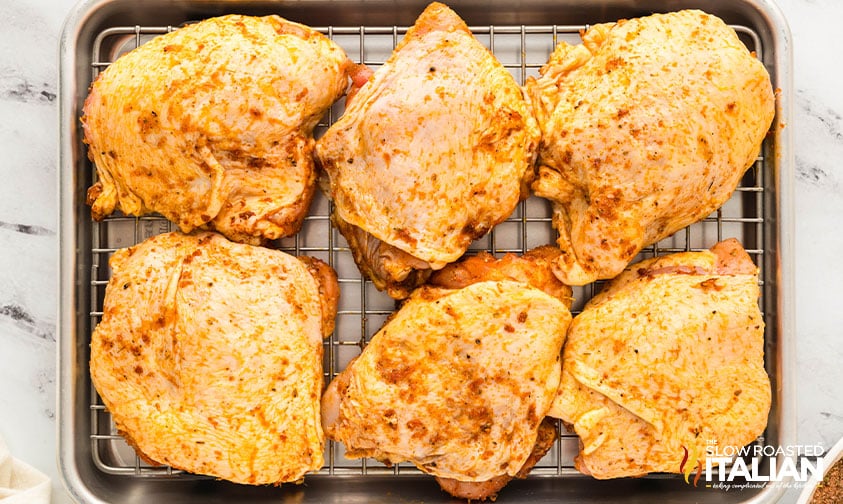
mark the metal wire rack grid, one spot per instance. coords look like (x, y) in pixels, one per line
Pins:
(522, 50)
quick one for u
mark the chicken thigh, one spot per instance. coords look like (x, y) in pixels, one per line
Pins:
(211, 125)
(435, 149)
(209, 356)
(459, 380)
(666, 361)
(647, 127)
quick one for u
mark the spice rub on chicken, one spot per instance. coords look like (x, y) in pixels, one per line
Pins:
(459, 379)
(667, 359)
(435, 148)
(209, 356)
(211, 125)
(647, 126)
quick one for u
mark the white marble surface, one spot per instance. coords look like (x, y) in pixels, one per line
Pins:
(28, 224)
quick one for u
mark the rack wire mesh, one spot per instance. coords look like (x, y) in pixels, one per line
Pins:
(522, 49)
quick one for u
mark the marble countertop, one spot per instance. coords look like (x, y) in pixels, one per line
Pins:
(29, 230)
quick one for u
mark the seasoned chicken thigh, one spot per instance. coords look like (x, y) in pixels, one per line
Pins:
(209, 356)
(211, 125)
(435, 149)
(665, 361)
(459, 380)
(648, 126)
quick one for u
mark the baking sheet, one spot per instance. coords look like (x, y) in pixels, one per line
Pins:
(753, 215)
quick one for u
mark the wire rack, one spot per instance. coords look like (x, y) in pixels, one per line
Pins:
(363, 309)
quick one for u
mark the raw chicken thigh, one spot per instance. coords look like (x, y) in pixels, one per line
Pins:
(647, 127)
(209, 356)
(459, 380)
(435, 149)
(665, 362)
(211, 125)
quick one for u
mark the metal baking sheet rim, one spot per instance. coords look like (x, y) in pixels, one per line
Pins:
(85, 484)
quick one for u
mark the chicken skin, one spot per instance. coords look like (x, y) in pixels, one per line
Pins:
(647, 127)
(211, 125)
(209, 356)
(665, 361)
(458, 381)
(435, 149)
